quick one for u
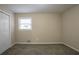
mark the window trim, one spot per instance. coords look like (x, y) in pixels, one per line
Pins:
(24, 18)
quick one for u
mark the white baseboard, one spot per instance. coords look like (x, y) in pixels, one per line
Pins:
(49, 43)
(71, 47)
(46, 43)
(8, 47)
(13, 44)
(39, 43)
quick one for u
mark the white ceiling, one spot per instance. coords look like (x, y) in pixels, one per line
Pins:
(36, 8)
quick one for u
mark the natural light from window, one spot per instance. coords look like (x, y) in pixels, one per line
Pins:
(25, 23)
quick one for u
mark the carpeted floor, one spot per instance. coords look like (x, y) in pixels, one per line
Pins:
(40, 49)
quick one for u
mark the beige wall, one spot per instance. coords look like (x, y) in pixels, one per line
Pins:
(46, 27)
(11, 14)
(71, 27)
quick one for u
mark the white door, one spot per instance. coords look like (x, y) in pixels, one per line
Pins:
(5, 41)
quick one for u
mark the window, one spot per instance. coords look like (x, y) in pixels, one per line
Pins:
(25, 23)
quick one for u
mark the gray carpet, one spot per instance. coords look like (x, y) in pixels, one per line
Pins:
(40, 49)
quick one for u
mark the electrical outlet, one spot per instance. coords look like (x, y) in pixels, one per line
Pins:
(28, 40)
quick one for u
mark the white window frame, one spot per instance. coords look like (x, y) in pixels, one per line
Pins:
(19, 19)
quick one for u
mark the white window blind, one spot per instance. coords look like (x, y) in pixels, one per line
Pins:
(25, 23)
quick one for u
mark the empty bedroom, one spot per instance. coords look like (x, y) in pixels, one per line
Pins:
(39, 29)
